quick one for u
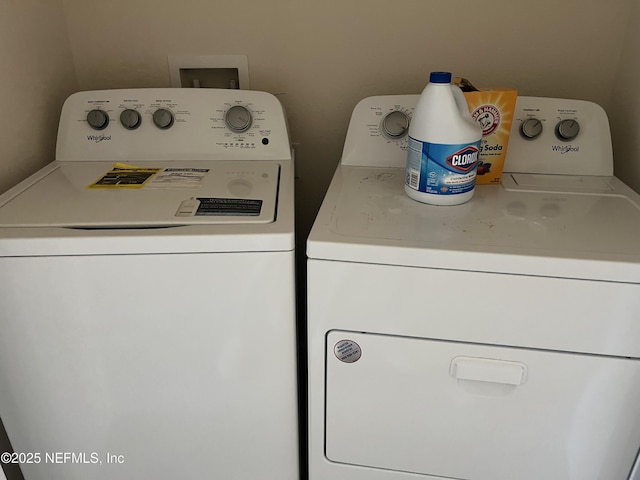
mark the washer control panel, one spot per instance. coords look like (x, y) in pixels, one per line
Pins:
(172, 124)
(548, 135)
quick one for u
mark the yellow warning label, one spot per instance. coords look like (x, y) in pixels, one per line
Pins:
(122, 175)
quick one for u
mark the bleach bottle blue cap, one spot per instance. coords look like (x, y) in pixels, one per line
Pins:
(440, 77)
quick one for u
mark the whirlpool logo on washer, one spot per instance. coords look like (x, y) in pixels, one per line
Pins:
(99, 138)
(463, 160)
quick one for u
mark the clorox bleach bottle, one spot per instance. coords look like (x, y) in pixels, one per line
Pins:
(444, 143)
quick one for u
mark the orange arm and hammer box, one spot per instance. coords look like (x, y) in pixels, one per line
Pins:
(493, 109)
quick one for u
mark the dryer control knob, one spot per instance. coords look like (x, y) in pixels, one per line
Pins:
(395, 125)
(130, 119)
(98, 119)
(163, 118)
(531, 128)
(567, 130)
(238, 119)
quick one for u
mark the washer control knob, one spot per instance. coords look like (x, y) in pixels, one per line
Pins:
(163, 118)
(130, 119)
(98, 119)
(567, 130)
(531, 128)
(238, 119)
(395, 125)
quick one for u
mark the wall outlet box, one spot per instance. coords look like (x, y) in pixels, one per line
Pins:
(209, 71)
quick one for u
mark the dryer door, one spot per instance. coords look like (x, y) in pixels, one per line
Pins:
(468, 411)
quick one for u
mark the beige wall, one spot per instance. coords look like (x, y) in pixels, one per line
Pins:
(37, 75)
(624, 108)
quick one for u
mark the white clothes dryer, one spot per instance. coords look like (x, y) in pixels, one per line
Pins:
(494, 340)
(147, 323)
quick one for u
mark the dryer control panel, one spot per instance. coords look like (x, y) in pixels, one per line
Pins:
(560, 137)
(548, 135)
(378, 131)
(172, 124)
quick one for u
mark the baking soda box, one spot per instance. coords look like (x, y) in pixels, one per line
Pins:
(493, 109)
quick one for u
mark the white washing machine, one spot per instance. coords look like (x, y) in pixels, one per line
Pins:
(495, 340)
(147, 324)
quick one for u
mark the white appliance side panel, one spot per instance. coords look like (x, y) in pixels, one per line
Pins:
(183, 364)
(479, 412)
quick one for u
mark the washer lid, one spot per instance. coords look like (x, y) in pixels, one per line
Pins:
(99, 195)
(580, 227)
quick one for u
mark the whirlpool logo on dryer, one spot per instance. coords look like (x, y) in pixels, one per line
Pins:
(98, 138)
(463, 160)
(563, 149)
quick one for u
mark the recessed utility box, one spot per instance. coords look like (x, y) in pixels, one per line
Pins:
(209, 71)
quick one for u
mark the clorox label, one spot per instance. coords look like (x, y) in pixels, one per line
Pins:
(464, 160)
(441, 169)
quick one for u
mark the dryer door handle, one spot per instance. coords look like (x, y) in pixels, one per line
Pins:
(488, 370)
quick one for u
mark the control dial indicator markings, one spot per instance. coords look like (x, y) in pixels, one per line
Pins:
(531, 128)
(395, 125)
(130, 119)
(98, 119)
(163, 118)
(567, 130)
(238, 119)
